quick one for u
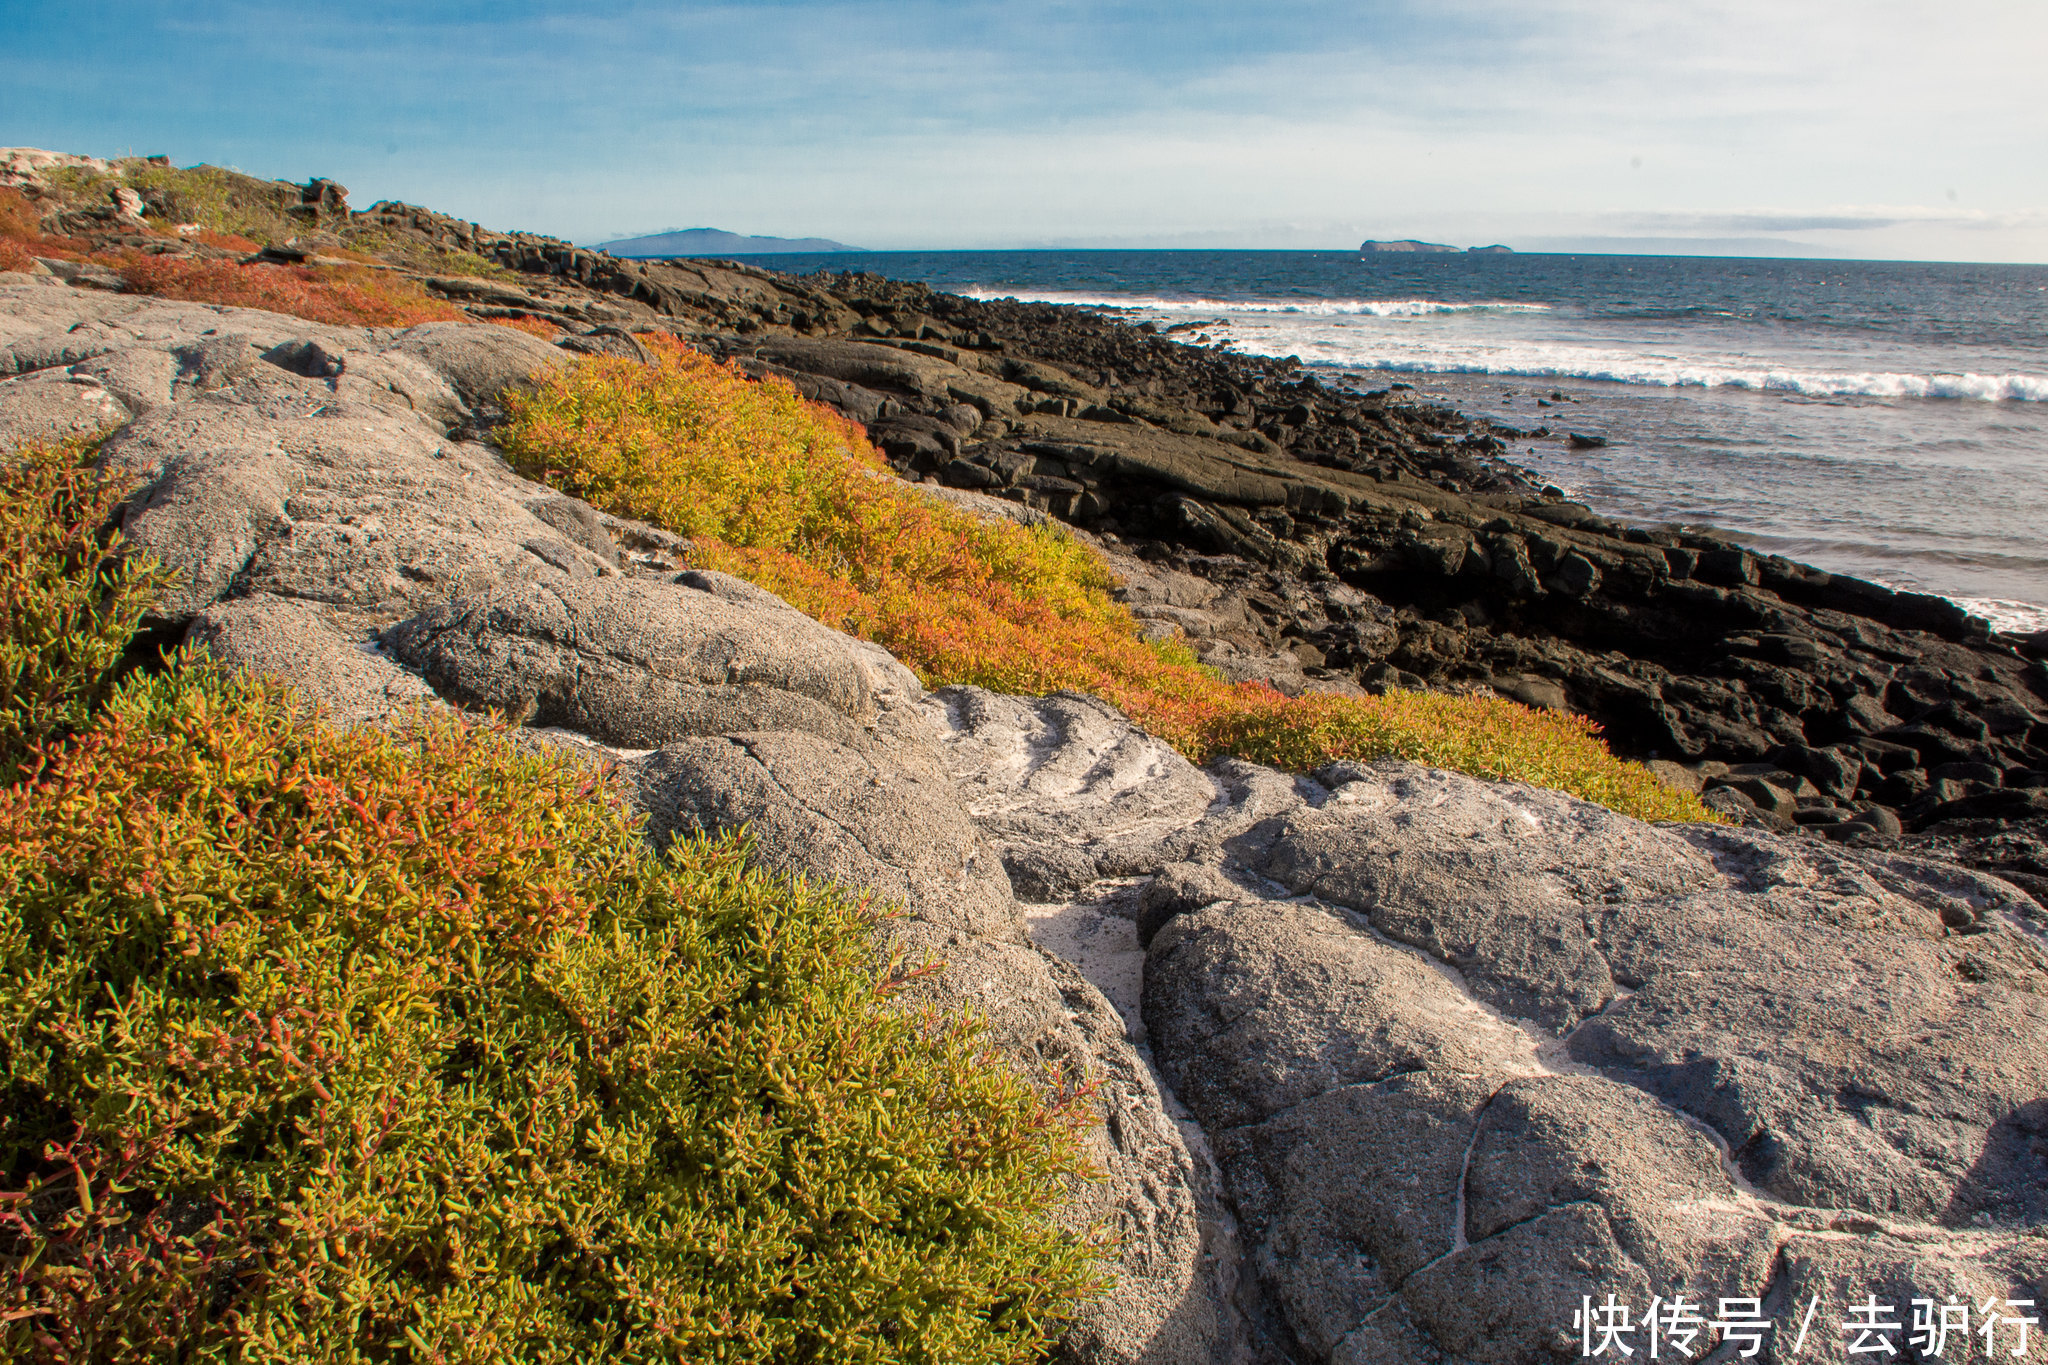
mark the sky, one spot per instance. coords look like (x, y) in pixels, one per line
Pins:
(1857, 128)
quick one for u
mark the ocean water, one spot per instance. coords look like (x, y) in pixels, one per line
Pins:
(1884, 419)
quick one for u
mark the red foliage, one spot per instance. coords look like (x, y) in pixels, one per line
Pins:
(337, 295)
(22, 238)
(539, 327)
(226, 241)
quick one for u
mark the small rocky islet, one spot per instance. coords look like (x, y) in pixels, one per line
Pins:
(1393, 1064)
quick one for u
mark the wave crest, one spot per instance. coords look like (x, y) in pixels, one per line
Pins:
(1317, 308)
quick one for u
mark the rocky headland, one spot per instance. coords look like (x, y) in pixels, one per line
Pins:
(1393, 1065)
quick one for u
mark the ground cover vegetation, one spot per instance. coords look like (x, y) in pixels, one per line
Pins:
(70, 601)
(791, 496)
(403, 1045)
(357, 290)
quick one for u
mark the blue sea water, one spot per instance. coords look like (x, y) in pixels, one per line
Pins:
(1884, 419)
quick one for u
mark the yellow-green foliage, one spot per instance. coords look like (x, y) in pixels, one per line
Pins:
(791, 496)
(352, 1046)
(70, 600)
(221, 200)
(426, 257)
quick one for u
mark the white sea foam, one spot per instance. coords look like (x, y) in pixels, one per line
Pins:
(1321, 308)
(1359, 348)
(1348, 333)
(2020, 618)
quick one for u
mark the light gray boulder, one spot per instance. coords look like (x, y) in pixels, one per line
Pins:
(1073, 792)
(639, 663)
(1466, 1052)
(1821, 1011)
(828, 811)
(479, 363)
(274, 485)
(139, 377)
(45, 408)
(350, 680)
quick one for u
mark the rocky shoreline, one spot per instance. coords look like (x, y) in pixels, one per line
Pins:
(1392, 1065)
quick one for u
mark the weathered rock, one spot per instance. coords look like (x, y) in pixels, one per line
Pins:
(1468, 1052)
(828, 811)
(639, 663)
(479, 362)
(45, 408)
(351, 681)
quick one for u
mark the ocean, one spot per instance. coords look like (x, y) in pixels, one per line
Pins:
(1876, 418)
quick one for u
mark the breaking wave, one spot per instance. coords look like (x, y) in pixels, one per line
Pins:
(1323, 308)
(1536, 361)
(2019, 618)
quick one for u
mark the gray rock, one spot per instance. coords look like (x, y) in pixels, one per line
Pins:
(52, 406)
(1178, 889)
(639, 663)
(1255, 1006)
(1413, 848)
(140, 377)
(1466, 1052)
(275, 485)
(480, 363)
(293, 641)
(829, 811)
(1064, 781)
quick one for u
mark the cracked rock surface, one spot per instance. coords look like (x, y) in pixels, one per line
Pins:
(1465, 1052)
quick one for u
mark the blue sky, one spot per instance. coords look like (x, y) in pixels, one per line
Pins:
(1874, 128)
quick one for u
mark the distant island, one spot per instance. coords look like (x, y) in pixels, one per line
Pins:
(717, 242)
(1411, 245)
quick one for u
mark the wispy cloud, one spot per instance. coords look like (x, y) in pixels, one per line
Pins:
(970, 122)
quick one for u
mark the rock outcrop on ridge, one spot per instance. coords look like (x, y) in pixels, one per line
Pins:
(1393, 1065)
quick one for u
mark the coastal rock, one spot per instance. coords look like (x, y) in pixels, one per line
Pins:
(637, 663)
(833, 813)
(1466, 1052)
(42, 409)
(350, 680)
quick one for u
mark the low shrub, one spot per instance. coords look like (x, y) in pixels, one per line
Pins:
(219, 200)
(535, 327)
(22, 238)
(791, 496)
(324, 1045)
(340, 295)
(70, 599)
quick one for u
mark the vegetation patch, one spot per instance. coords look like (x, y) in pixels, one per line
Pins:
(70, 599)
(360, 295)
(326, 1045)
(340, 295)
(791, 496)
(219, 200)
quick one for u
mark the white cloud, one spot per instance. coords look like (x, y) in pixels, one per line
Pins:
(973, 123)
